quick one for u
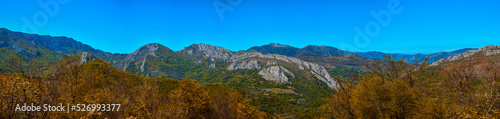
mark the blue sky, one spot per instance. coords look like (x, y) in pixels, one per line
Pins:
(122, 26)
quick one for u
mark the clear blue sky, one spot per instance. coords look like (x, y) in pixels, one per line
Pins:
(122, 26)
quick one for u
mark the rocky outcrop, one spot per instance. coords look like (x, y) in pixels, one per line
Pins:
(198, 61)
(490, 50)
(155, 60)
(141, 53)
(208, 51)
(486, 51)
(14, 47)
(252, 64)
(328, 82)
(278, 45)
(287, 72)
(143, 63)
(212, 66)
(86, 57)
(274, 73)
(20, 50)
(271, 63)
(246, 55)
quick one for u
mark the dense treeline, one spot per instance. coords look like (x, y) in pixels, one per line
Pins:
(97, 82)
(396, 89)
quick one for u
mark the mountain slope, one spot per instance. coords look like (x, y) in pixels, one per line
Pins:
(486, 51)
(155, 60)
(291, 79)
(334, 61)
(275, 48)
(259, 74)
(205, 51)
(57, 44)
(245, 60)
(312, 50)
(51, 48)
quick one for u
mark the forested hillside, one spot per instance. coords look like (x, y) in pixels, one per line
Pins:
(97, 82)
(395, 89)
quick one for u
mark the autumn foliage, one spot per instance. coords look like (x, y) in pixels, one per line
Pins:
(97, 82)
(468, 88)
(395, 89)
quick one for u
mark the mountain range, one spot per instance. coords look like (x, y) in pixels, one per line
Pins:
(274, 61)
(296, 76)
(312, 50)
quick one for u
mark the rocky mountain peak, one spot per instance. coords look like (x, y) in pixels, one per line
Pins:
(275, 73)
(142, 52)
(86, 57)
(278, 45)
(252, 64)
(152, 47)
(147, 48)
(489, 50)
(208, 51)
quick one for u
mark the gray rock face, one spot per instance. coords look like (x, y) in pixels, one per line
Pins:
(287, 72)
(14, 47)
(86, 57)
(207, 51)
(197, 61)
(141, 52)
(490, 50)
(246, 55)
(212, 66)
(143, 63)
(274, 73)
(486, 50)
(278, 45)
(190, 52)
(271, 63)
(252, 64)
